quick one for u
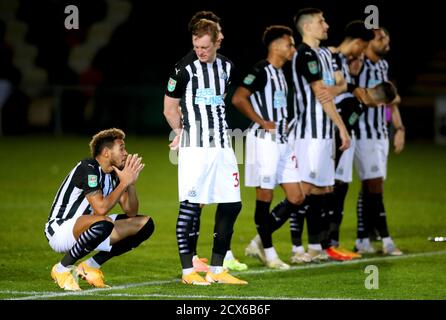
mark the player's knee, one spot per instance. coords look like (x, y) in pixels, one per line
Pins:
(264, 195)
(103, 218)
(236, 207)
(296, 199)
(261, 214)
(374, 188)
(142, 220)
(231, 208)
(103, 228)
(226, 215)
(373, 185)
(148, 228)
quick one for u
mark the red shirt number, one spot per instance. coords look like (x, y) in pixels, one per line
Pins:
(237, 181)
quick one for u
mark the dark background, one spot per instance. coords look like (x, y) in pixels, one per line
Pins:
(127, 76)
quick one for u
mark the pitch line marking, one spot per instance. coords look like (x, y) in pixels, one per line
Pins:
(158, 295)
(87, 292)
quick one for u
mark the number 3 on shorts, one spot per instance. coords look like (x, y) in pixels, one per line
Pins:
(294, 159)
(237, 181)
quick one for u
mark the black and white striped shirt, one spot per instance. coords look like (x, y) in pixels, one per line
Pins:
(310, 65)
(342, 64)
(269, 97)
(70, 201)
(202, 88)
(348, 106)
(372, 123)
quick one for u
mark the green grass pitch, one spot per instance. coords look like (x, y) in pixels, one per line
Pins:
(32, 169)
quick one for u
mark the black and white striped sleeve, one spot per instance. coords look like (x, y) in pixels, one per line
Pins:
(176, 85)
(86, 178)
(255, 80)
(309, 66)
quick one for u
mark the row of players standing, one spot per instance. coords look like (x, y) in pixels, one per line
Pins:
(322, 83)
(304, 166)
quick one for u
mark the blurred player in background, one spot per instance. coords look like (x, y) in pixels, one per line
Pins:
(372, 148)
(262, 97)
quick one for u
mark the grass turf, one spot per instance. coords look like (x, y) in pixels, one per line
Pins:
(34, 167)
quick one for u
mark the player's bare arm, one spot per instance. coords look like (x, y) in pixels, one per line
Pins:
(173, 117)
(321, 92)
(330, 109)
(330, 92)
(333, 49)
(340, 86)
(241, 101)
(102, 205)
(396, 101)
(400, 132)
(364, 97)
(129, 200)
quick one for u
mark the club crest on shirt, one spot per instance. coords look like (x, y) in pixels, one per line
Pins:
(223, 75)
(249, 79)
(171, 85)
(92, 180)
(192, 193)
(312, 66)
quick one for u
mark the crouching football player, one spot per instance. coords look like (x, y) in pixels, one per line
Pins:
(79, 221)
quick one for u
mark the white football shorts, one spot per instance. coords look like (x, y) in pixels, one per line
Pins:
(63, 239)
(371, 158)
(269, 163)
(316, 161)
(344, 169)
(208, 175)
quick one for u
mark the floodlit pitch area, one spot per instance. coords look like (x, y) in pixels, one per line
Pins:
(33, 168)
